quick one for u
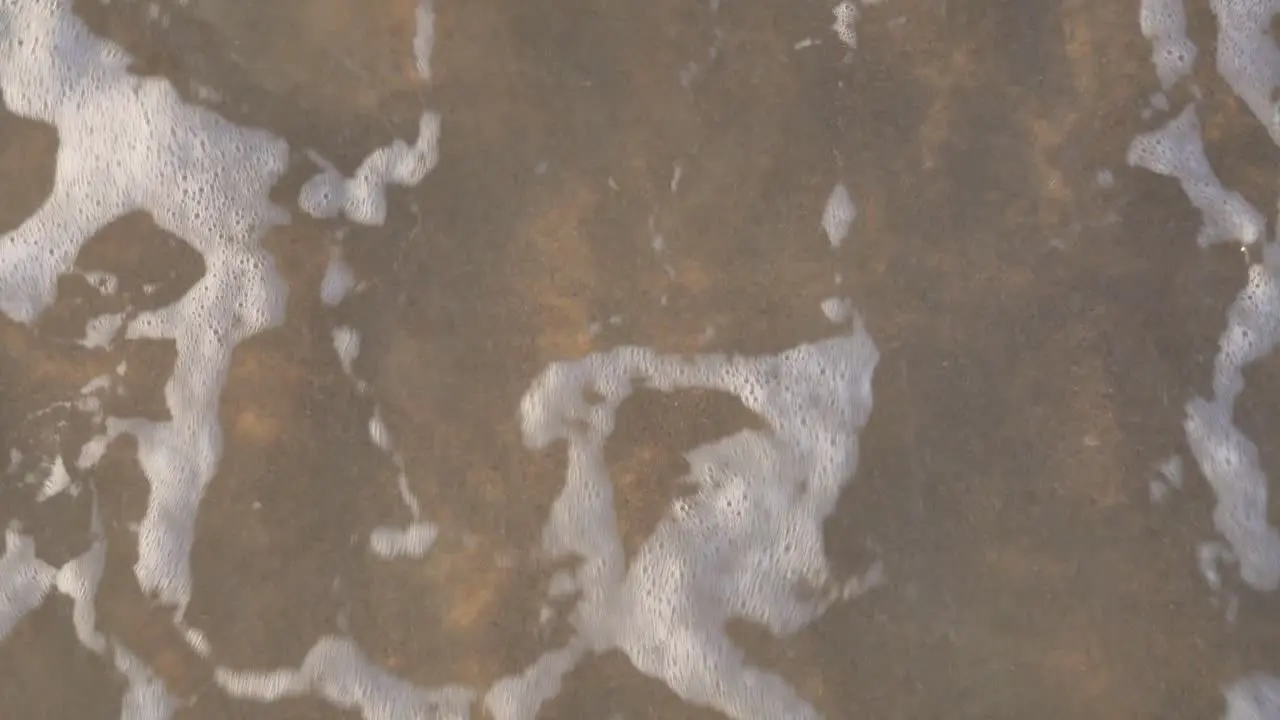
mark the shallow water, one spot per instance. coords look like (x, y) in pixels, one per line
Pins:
(1017, 523)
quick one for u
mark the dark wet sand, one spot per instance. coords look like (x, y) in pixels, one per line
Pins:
(1038, 333)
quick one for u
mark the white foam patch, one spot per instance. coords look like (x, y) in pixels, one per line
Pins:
(362, 198)
(338, 279)
(1250, 63)
(336, 670)
(1253, 697)
(197, 641)
(1164, 23)
(518, 697)
(846, 22)
(58, 481)
(125, 143)
(747, 544)
(130, 144)
(101, 330)
(406, 495)
(409, 542)
(1176, 150)
(387, 542)
(838, 215)
(1248, 58)
(1227, 458)
(24, 579)
(562, 584)
(838, 310)
(94, 448)
(1209, 557)
(424, 39)
(379, 433)
(146, 697)
(1171, 471)
(1157, 492)
(346, 344)
(105, 282)
(860, 585)
(92, 451)
(97, 384)
(78, 579)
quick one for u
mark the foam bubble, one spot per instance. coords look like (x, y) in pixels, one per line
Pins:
(739, 547)
(336, 670)
(1176, 150)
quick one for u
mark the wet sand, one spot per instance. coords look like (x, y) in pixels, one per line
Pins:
(1039, 335)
